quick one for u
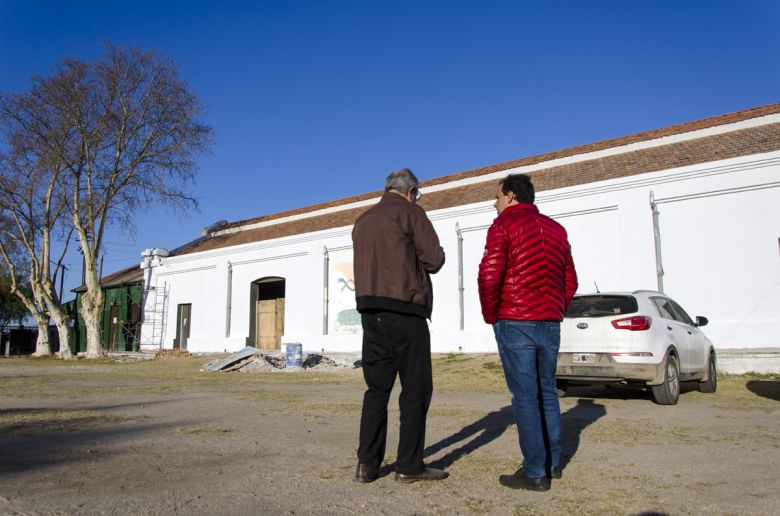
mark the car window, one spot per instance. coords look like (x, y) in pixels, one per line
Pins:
(681, 315)
(602, 306)
(664, 307)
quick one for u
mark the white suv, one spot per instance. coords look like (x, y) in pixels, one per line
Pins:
(641, 337)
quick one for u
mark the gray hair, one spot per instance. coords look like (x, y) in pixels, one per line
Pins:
(401, 180)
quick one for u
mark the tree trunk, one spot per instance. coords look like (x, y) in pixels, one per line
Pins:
(91, 310)
(63, 330)
(42, 346)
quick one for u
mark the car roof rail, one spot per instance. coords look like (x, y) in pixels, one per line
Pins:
(646, 291)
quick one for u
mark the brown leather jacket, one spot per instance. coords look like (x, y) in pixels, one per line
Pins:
(395, 251)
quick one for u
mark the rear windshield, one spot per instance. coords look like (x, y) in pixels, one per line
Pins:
(601, 306)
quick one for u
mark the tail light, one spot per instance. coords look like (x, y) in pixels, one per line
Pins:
(636, 323)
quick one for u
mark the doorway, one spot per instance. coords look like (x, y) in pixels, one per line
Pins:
(266, 316)
(183, 314)
(113, 322)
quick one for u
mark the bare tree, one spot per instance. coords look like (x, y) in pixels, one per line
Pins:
(24, 245)
(136, 137)
(35, 305)
(32, 204)
(123, 132)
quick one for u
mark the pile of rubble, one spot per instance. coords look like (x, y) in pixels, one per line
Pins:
(263, 362)
(252, 359)
(171, 353)
(130, 356)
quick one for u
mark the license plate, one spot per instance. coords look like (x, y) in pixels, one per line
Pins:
(584, 358)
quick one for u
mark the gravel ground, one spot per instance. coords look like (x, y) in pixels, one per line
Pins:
(162, 436)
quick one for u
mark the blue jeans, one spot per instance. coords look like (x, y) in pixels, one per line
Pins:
(529, 355)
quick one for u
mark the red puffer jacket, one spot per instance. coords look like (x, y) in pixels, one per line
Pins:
(527, 273)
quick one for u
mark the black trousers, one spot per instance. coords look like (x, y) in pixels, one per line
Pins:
(393, 344)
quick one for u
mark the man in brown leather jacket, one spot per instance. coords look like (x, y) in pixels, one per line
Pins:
(395, 251)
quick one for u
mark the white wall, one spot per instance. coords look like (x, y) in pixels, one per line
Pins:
(719, 223)
(723, 257)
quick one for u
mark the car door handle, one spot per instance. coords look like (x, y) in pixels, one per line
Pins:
(669, 328)
(690, 332)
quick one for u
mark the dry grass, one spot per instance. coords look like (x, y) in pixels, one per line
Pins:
(23, 377)
(623, 486)
(454, 372)
(479, 373)
(269, 396)
(740, 392)
(335, 407)
(203, 431)
(25, 422)
(48, 377)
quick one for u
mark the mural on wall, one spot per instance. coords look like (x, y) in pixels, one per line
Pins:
(343, 318)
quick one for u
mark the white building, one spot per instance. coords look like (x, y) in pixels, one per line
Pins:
(715, 183)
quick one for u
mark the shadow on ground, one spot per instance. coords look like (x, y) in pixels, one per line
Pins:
(39, 438)
(484, 431)
(622, 392)
(574, 421)
(765, 388)
(493, 425)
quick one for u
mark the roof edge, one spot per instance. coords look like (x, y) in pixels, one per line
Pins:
(644, 136)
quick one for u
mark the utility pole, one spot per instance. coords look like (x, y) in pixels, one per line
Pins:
(62, 280)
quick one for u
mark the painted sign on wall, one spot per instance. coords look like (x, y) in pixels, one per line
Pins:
(343, 318)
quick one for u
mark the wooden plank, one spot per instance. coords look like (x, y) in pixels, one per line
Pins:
(268, 335)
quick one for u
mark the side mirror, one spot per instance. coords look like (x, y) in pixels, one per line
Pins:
(701, 320)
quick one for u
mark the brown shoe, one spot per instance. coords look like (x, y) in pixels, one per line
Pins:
(365, 474)
(426, 474)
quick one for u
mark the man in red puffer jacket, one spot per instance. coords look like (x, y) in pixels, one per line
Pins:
(526, 281)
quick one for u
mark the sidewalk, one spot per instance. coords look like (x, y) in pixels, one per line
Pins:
(755, 360)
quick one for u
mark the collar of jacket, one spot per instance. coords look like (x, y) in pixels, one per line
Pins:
(392, 197)
(519, 207)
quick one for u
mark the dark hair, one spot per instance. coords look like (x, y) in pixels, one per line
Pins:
(401, 180)
(521, 186)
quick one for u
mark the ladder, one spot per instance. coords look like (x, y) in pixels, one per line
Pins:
(157, 315)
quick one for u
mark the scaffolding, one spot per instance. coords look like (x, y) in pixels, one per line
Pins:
(156, 316)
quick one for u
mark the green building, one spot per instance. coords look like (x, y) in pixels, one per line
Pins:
(121, 318)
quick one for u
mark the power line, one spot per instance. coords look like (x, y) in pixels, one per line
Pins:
(123, 244)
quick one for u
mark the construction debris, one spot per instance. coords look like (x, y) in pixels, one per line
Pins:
(130, 356)
(171, 353)
(252, 359)
(317, 360)
(228, 361)
(262, 362)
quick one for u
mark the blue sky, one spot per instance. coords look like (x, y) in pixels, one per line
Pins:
(317, 100)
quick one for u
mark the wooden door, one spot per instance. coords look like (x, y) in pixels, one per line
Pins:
(113, 324)
(269, 321)
(182, 326)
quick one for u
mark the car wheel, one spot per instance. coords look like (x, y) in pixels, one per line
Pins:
(669, 391)
(711, 383)
(561, 386)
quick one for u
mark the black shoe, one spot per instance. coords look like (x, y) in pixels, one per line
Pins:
(556, 472)
(426, 474)
(520, 481)
(365, 474)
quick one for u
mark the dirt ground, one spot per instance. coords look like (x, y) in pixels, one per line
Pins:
(162, 436)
